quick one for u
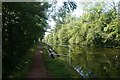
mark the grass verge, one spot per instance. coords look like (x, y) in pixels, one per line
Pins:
(58, 68)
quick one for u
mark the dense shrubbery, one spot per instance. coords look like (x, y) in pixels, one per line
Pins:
(97, 27)
(23, 25)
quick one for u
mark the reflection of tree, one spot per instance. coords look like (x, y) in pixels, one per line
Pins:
(62, 51)
(94, 61)
(102, 64)
(112, 68)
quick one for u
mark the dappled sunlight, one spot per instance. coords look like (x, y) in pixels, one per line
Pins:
(60, 39)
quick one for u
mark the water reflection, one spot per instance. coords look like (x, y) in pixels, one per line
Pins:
(92, 62)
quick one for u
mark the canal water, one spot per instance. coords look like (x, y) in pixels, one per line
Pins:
(91, 62)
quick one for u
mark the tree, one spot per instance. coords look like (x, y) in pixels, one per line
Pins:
(23, 25)
(97, 27)
(58, 13)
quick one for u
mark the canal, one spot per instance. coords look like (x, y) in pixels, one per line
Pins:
(91, 62)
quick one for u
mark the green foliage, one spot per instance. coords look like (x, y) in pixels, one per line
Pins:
(23, 25)
(96, 27)
(21, 69)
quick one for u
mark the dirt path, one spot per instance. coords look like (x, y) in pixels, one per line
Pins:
(37, 69)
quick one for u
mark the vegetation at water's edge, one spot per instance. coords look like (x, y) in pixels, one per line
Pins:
(98, 27)
(24, 25)
(58, 68)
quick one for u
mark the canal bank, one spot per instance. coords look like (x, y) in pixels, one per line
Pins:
(58, 68)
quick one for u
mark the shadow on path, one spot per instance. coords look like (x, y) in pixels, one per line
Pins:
(37, 68)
